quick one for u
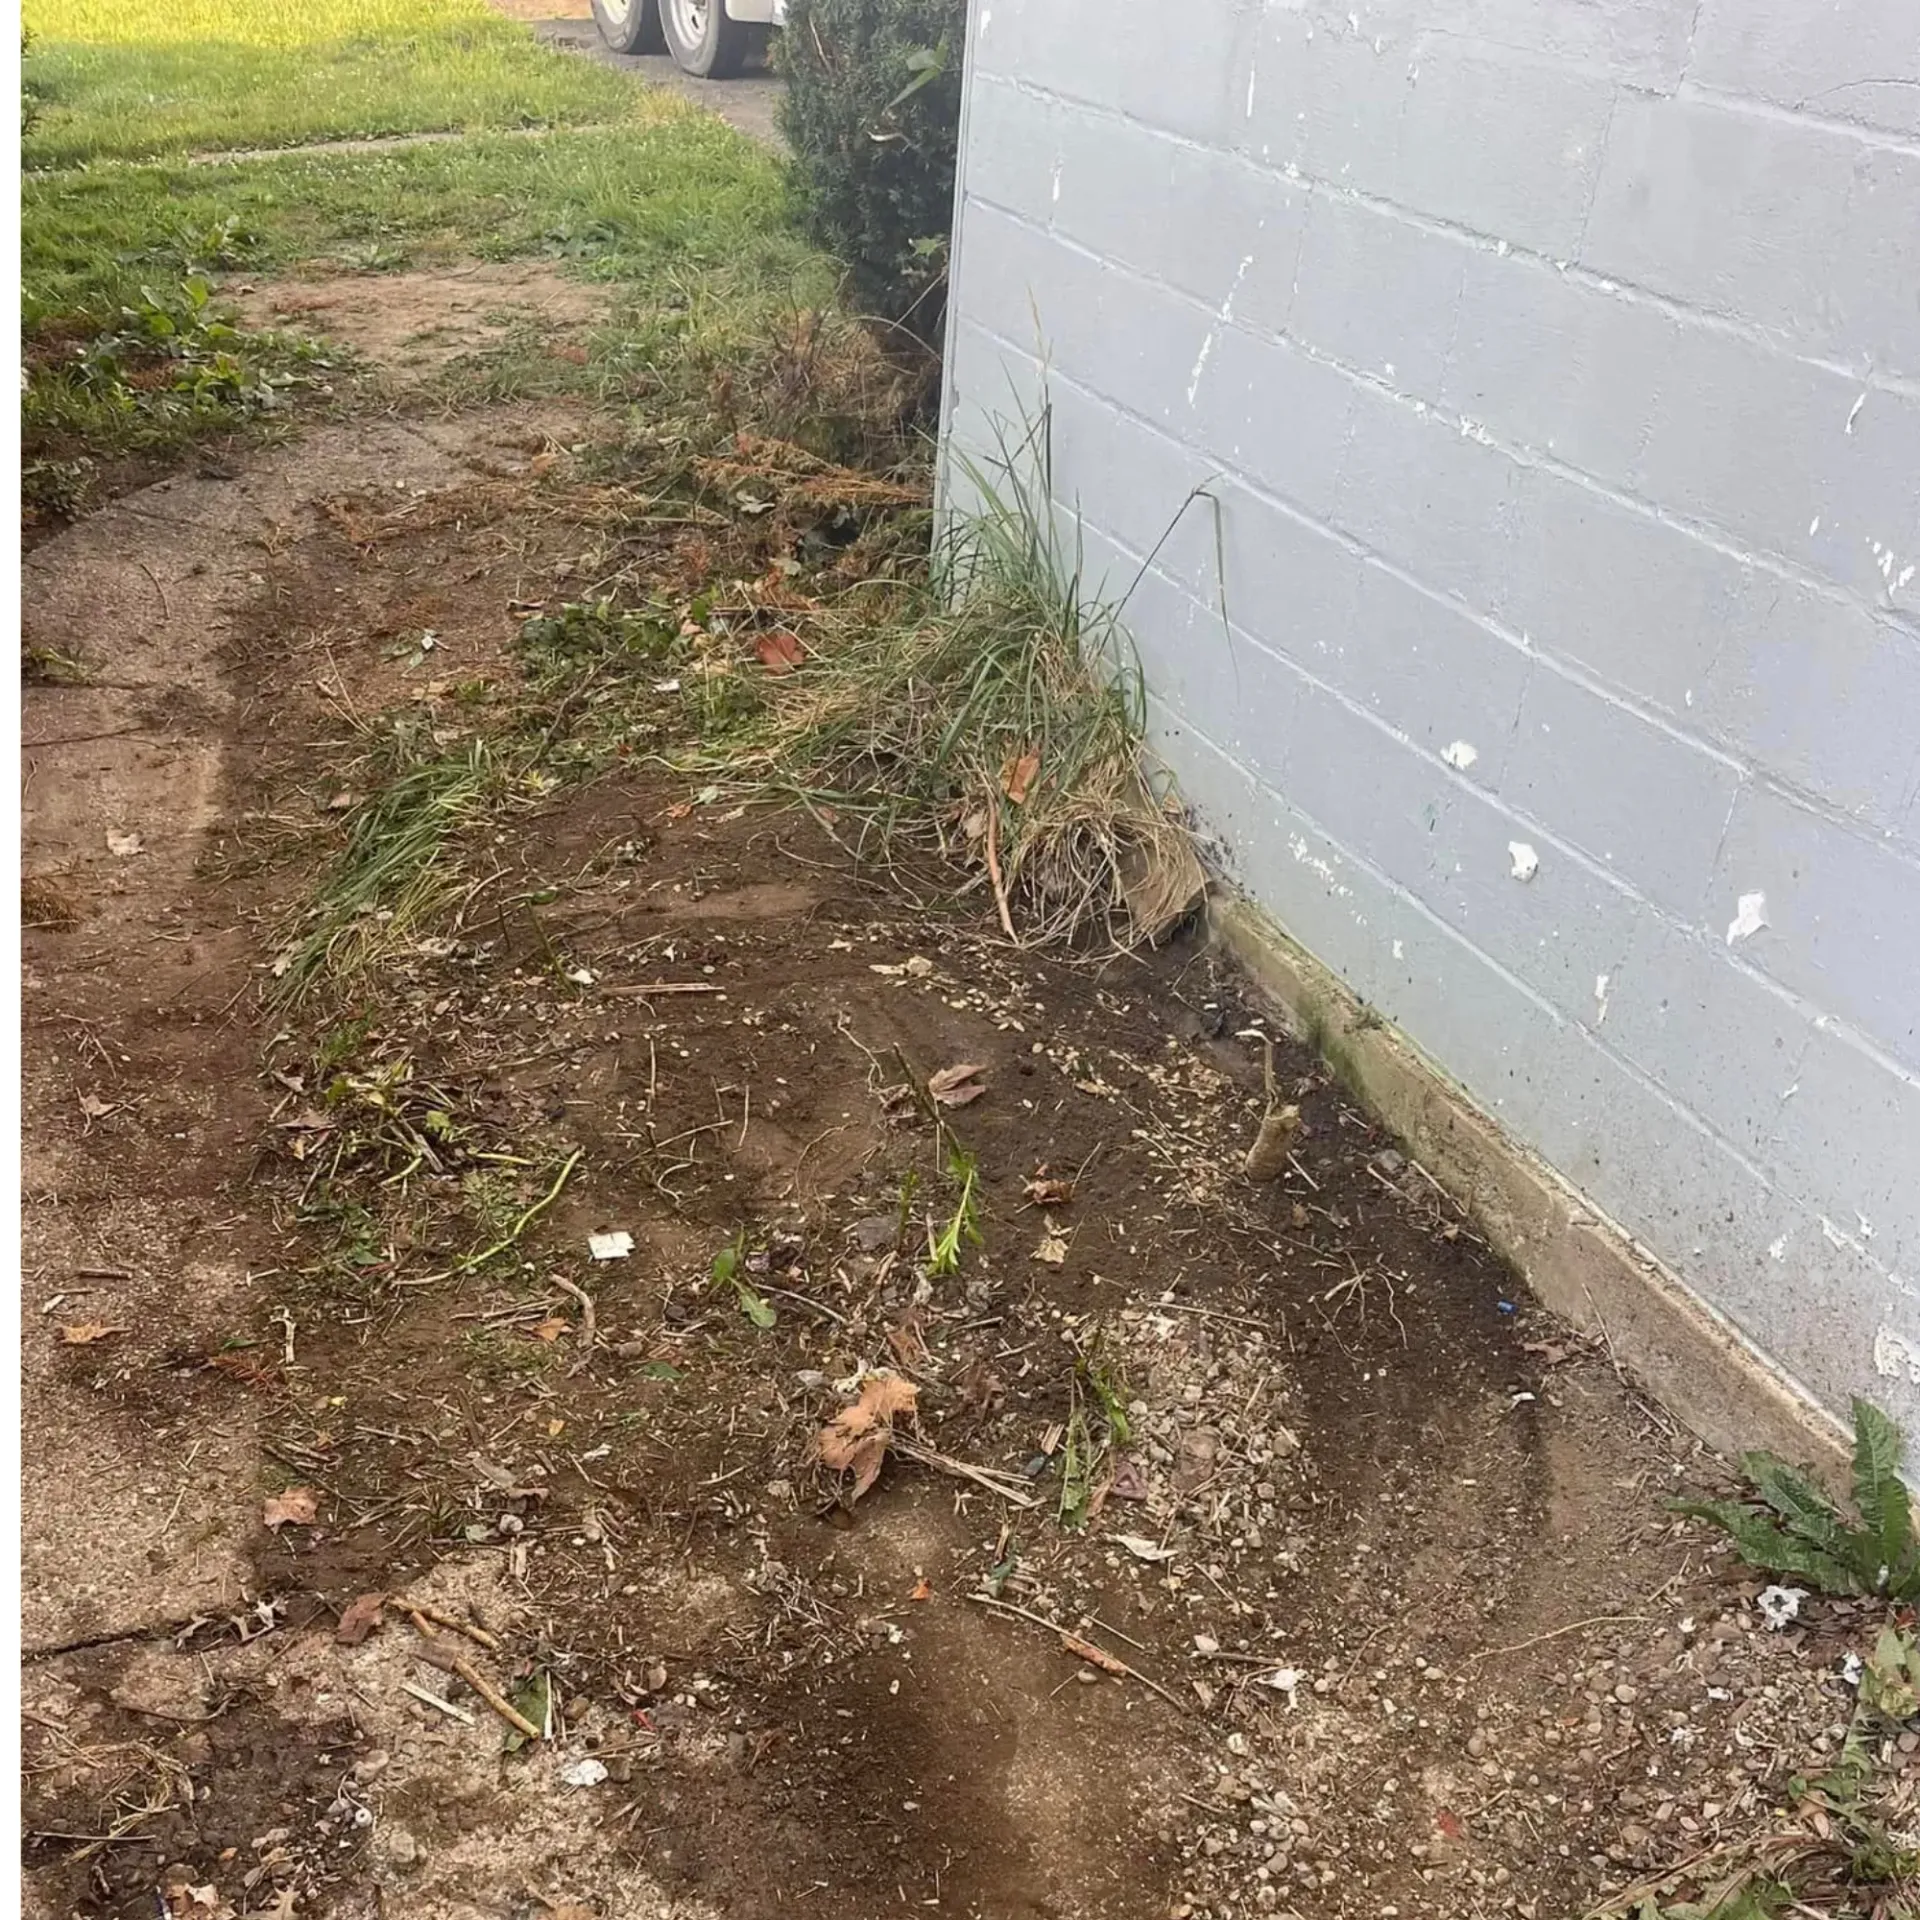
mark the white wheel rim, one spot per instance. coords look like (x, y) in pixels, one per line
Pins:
(617, 10)
(690, 20)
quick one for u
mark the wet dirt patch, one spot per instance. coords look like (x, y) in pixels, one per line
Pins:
(411, 324)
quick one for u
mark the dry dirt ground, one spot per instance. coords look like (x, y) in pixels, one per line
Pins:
(1373, 1608)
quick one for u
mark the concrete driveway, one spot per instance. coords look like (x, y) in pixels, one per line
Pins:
(749, 102)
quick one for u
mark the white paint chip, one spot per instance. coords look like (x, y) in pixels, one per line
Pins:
(1399, 950)
(1813, 526)
(1750, 918)
(1461, 755)
(1526, 863)
(1894, 1355)
(1601, 981)
(1779, 1248)
(1855, 414)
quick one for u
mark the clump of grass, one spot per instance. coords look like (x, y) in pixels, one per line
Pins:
(993, 715)
(395, 869)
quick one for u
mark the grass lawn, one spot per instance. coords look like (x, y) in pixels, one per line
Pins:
(121, 81)
(122, 260)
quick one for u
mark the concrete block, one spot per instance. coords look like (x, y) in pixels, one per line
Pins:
(1848, 1148)
(1848, 60)
(1644, 802)
(1784, 224)
(1504, 144)
(1839, 912)
(1557, 930)
(1207, 223)
(1437, 503)
(1272, 413)
(1320, 100)
(1798, 674)
(1635, 602)
(1431, 672)
(1013, 150)
(1556, 364)
(1378, 293)
(1718, 1039)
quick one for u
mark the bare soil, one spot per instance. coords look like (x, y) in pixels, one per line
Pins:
(1375, 1610)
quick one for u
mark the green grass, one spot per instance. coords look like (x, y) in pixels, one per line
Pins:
(155, 77)
(682, 219)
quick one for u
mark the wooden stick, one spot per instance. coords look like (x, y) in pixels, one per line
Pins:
(993, 865)
(498, 1702)
(1572, 1626)
(433, 1700)
(567, 1287)
(421, 1612)
(667, 986)
(1084, 1649)
(945, 1463)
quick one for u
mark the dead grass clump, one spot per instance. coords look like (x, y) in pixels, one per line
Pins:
(46, 904)
(994, 716)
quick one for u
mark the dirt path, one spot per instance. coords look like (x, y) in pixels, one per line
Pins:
(1373, 1608)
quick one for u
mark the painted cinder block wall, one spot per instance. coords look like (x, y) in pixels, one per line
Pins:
(1555, 368)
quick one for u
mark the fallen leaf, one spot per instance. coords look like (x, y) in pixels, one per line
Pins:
(550, 1329)
(923, 1590)
(780, 652)
(1551, 1352)
(1129, 1480)
(360, 1618)
(1020, 776)
(1450, 1823)
(955, 1086)
(1052, 1250)
(907, 1342)
(95, 1108)
(1142, 1548)
(123, 846)
(855, 1440)
(1046, 1191)
(87, 1332)
(1094, 1656)
(555, 1428)
(298, 1507)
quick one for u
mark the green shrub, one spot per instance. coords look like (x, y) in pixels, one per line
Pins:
(872, 113)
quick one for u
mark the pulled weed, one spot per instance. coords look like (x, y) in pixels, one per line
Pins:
(993, 714)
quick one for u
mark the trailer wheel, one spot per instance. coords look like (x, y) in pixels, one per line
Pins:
(630, 26)
(703, 41)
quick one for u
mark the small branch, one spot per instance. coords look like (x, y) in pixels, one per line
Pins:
(421, 1611)
(961, 1470)
(1074, 1642)
(993, 865)
(501, 1705)
(1572, 1626)
(647, 988)
(586, 1318)
(433, 1700)
(524, 1222)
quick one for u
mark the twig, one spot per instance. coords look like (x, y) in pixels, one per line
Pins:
(433, 1700)
(567, 1287)
(420, 1611)
(498, 1702)
(961, 1470)
(993, 866)
(1073, 1641)
(1572, 1626)
(650, 987)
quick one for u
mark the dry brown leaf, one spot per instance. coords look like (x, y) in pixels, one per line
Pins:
(855, 1440)
(1551, 1352)
(360, 1619)
(1020, 775)
(1052, 1250)
(780, 651)
(95, 1108)
(923, 1590)
(1046, 1191)
(87, 1332)
(1094, 1656)
(297, 1507)
(954, 1086)
(550, 1329)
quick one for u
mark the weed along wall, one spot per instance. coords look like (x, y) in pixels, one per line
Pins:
(1543, 648)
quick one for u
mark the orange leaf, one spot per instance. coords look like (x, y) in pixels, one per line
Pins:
(550, 1329)
(923, 1590)
(87, 1332)
(1048, 1192)
(1020, 775)
(780, 652)
(298, 1506)
(360, 1619)
(855, 1440)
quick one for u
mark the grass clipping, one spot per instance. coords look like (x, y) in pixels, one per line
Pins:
(995, 716)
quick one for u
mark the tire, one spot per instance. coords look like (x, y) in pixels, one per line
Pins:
(630, 26)
(703, 41)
